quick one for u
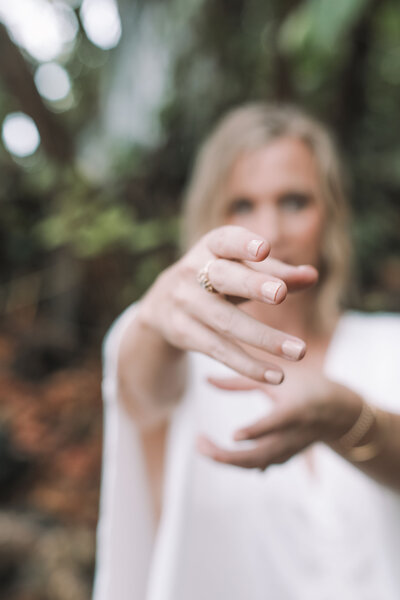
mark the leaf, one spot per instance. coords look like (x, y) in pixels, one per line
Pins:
(319, 25)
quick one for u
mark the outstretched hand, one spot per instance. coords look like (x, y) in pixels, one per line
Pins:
(188, 317)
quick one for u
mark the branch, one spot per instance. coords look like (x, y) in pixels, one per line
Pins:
(350, 100)
(283, 88)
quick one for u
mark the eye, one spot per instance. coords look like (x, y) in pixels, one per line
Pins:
(294, 201)
(241, 206)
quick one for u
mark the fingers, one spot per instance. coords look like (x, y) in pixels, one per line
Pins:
(236, 279)
(226, 319)
(238, 243)
(242, 269)
(276, 449)
(278, 420)
(265, 453)
(296, 278)
(189, 334)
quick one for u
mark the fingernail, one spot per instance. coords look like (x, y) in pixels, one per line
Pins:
(254, 246)
(274, 377)
(270, 290)
(293, 350)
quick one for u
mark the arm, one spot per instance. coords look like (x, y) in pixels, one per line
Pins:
(384, 434)
(151, 372)
(311, 408)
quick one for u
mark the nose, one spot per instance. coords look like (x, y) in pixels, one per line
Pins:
(268, 224)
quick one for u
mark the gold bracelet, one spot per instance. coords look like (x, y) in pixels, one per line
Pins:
(364, 453)
(363, 424)
(347, 444)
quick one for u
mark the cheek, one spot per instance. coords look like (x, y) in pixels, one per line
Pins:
(307, 229)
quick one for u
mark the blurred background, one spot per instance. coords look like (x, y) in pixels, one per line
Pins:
(102, 105)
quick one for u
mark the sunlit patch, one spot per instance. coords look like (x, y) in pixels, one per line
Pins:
(20, 134)
(52, 81)
(41, 27)
(101, 21)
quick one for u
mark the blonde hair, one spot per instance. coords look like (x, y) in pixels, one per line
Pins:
(245, 129)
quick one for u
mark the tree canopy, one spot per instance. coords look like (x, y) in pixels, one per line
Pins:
(115, 153)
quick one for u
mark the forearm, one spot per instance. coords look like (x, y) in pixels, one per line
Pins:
(384, 435)
(151, 372)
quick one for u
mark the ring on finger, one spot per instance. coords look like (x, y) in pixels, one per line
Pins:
(204, 279)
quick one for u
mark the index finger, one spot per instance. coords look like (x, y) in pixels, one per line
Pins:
(237, 243)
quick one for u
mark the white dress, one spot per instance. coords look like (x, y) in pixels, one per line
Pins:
(236, 534)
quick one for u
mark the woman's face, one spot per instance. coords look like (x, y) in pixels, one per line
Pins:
(275, 191)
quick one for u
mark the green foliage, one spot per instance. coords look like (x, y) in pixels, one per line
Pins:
(319, 26)
(340, 59)
(90, 232)
(91, 222)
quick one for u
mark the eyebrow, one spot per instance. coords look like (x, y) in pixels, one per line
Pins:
(297, 192)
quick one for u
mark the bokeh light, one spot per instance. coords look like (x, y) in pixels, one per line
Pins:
(102, 23)
(20, 134)
(52, 81)
(41, 27)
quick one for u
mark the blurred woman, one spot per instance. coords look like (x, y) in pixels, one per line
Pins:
(252, 442)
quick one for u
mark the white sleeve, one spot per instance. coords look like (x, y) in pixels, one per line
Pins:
(387, 364)
(365, 356)
(125, 530)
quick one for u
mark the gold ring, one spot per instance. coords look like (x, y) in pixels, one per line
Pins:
(204, 280)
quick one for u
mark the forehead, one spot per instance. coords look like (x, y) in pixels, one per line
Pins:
(284, 163)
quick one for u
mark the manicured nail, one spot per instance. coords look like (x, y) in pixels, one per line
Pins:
(254, 246)
(293, 350)
(270, 290)
(274, 377)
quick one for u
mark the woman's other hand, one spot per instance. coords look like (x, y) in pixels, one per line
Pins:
(308, 408)
(189, 317)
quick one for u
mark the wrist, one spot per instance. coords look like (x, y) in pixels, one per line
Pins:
(344, 408)
(145, 313)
